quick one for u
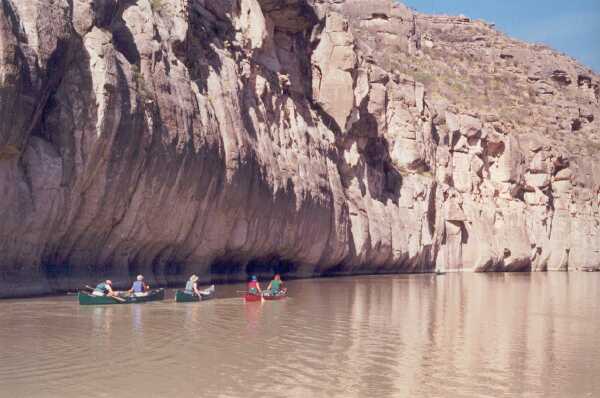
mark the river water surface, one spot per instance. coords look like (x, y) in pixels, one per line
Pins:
(460, 335)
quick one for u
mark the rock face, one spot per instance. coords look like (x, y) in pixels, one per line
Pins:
(227, 137)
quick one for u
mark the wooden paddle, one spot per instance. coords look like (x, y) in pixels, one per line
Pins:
(122, 300)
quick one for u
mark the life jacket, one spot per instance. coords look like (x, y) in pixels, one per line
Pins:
(275, 285)
(138, 287)
(253, 287)
(189, 287)
(101, 288)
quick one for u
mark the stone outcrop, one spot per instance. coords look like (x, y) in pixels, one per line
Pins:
(224, 137)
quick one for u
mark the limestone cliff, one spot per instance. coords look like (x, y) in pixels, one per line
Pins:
(222, 137)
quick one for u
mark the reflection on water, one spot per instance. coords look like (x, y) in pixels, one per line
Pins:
(390, 336)
(137, 324)
(102, 319)
(252, 312)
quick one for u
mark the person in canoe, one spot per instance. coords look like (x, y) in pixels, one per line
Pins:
(276, 285)
(254, 286)
(104, 289)
(191, 286)
(139, 287)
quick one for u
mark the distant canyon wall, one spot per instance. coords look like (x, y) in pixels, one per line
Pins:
(227, 137)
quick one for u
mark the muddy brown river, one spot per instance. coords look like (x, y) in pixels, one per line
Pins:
(469, 335)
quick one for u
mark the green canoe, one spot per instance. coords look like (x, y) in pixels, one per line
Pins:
(89, 299)
(206, 294)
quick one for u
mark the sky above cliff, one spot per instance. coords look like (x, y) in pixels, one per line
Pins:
(571, 27)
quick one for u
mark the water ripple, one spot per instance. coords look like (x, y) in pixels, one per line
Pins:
(393, 336)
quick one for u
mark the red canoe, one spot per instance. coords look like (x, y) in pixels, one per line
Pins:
(252, 297)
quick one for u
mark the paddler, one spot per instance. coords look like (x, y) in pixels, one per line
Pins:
(104, 289)
(275, 286)
(191, 286)
(139, 287)
(254, 286)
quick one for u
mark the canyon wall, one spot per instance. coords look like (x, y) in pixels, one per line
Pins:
(311, 137)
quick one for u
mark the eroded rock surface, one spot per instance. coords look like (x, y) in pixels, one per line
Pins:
(226, 137)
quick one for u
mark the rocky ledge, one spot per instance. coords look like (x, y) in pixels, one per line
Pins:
(224, 137)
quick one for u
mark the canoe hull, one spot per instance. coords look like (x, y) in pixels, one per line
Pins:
(206, 294)
(266, 295)
(273, 297)
(249, 298)
(89, 299)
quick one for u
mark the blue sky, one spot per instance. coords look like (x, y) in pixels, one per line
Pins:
(571, 27)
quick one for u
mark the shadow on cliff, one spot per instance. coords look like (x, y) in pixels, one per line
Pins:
(280, 225)
(69, 66)
(111, 18)
(127, 158)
